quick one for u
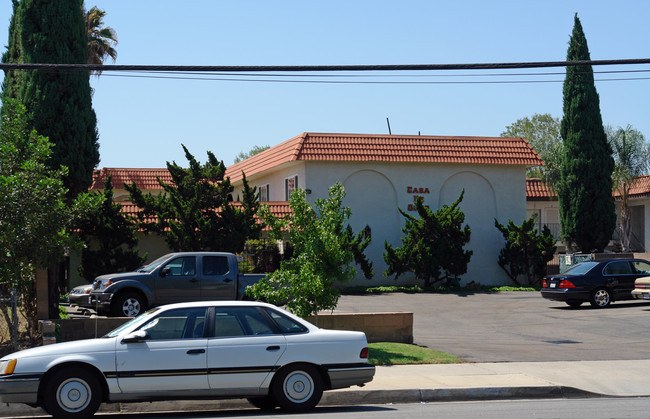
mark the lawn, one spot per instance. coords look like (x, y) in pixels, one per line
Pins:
(391, 353)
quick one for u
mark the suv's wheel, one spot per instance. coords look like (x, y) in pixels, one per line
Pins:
(128, 304)
(297, 388)
(600, 298)
(72, 393)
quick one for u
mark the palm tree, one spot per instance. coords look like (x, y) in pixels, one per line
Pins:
(631, 154)
(101, 40)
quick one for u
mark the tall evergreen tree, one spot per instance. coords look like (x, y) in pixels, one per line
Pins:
(585, 188)
(58, 102)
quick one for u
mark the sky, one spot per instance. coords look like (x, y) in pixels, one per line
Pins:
(143, 120)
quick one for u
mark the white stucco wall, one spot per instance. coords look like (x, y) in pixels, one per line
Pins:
(375, 191)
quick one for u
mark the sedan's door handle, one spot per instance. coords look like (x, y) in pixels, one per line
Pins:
(195, 351)
(273, 348)
(227, 280)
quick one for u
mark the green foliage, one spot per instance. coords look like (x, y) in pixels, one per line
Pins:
(432, 246)
(110, 238)
(63, 313)
(585, 187)
(58, 102)
(323, 252)
(542, 131)
(34, 214)
(631, 159)
(526, 252)
(101, 39)
(255, 150)
(195, 212)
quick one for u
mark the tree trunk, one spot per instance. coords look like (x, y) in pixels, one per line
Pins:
(624, 226)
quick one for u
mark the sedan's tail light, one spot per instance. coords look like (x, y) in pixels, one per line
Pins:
(566, 284)
(364, 353)
(642, 286)
(544, 284)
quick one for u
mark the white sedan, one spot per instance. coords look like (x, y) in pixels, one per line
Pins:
(202, 350)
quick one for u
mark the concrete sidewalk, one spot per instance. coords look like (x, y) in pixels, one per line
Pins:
(448, 382)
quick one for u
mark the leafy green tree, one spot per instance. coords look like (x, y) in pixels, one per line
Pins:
(526, 251)
(101, 39)
(58, 102)
(35, 218)
(255, 150)
(631, 159)
(324, 248)
(196, 212)
(432, 246)
(110, 237)
(542, 131)
(584, 191)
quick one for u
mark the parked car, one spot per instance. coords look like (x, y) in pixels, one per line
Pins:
(199, 350)
(172, 278)
(642, 288)
(598, 282)
(80, 295)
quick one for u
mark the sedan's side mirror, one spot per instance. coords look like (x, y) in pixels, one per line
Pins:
(165, 271)
(137, 336)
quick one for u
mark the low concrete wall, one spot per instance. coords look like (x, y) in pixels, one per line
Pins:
(378, 327)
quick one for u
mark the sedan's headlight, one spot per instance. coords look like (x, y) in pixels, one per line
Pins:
(7, 366)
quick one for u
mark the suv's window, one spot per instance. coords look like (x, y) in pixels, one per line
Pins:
(215, 265)
(182, 266)
(182, 323)
(641, 267)
(618, 268)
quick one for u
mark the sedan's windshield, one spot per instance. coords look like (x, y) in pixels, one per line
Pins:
(134, 322)
(153, 265)
(581, 268)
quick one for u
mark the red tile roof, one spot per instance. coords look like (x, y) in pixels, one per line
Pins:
(145, 179)
(538, 191)
(390, 148)
(640, 188)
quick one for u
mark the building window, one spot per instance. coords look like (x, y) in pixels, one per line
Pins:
(264, 193)
(290, 184)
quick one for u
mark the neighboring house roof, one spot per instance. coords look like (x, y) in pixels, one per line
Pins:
(536, 190)
(389, 148)
(640, 188)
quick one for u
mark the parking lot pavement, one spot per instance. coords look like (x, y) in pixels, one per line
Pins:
(515, 326)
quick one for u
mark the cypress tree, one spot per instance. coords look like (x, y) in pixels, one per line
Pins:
(59, 103)
(585, 188)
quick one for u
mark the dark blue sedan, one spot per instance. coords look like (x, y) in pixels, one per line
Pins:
(598, 282)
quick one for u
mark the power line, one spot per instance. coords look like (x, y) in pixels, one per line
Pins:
(320, 68)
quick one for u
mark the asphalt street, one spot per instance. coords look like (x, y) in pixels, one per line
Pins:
(516, 326)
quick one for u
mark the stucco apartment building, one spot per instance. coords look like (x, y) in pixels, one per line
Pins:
(382, 173)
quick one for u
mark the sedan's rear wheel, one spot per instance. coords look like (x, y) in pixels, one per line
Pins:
(600, 298)
(72, 393)
(297, 388)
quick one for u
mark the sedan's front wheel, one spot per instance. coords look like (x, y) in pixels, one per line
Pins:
(297, 388)
(72, 393)
(600, 298)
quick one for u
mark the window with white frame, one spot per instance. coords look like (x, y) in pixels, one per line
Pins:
(290, 184)
(264, 193)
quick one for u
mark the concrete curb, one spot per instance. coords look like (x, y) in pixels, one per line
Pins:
(339, 398)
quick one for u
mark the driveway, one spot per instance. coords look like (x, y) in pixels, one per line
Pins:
(516, 326)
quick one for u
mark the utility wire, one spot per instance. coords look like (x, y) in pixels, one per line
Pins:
(316, 68)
